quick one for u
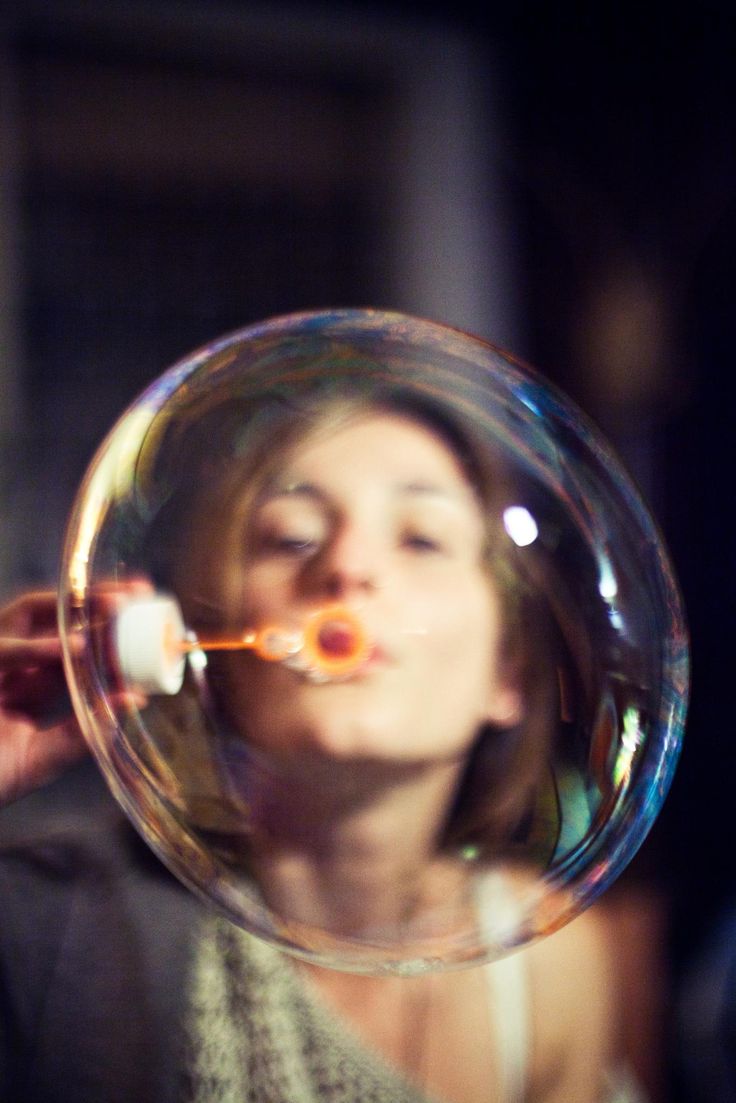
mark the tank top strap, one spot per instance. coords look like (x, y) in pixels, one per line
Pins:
(508, 984)
(510, 1015)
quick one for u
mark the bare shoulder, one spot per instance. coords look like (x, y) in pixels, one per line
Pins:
(572, 979)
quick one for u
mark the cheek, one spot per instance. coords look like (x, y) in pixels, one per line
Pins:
(464, 618)
(463, 643)
(266, 593)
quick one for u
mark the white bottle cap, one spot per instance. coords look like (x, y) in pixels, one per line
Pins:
(148, 635)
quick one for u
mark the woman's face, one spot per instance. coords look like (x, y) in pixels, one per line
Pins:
(378, 516)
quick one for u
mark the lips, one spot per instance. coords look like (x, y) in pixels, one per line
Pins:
(337, 639)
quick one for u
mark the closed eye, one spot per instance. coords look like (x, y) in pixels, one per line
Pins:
(421, 542)
(286, 544)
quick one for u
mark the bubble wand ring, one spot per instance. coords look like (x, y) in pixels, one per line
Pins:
(335, 643)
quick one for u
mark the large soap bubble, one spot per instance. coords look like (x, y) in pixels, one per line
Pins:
(397, 670)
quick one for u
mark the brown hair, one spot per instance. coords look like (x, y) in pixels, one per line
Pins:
(505, 782)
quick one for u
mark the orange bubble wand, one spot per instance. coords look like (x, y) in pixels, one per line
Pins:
(152, 644)
(333, 642)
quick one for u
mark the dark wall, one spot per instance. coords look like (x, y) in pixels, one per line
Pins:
(627, 160)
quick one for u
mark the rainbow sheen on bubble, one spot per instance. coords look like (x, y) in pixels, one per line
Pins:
(251, 776)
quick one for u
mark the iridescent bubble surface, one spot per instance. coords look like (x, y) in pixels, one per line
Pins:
(399, 672)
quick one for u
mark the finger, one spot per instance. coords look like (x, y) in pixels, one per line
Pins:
(106, 598)
(37, 650)
(35, 612)
(15, 650)
(34, 690)
(30, 613)
(35, 757)
(103, 602)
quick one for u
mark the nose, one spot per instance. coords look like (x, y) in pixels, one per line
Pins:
(350, 564)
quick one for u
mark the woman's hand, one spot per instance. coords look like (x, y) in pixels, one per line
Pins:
(39, 736)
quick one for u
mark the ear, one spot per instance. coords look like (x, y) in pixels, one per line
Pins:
(505, 706)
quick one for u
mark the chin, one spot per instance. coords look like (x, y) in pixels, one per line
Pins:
(380, 745)
(346, 735)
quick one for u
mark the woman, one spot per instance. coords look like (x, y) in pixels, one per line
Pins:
(381, 507)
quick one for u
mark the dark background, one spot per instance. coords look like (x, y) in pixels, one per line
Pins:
(609, 139)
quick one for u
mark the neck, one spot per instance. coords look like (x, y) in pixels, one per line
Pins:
(348, 847)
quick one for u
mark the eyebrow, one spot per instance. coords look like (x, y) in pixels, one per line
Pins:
(429, 489)
(293, 490)
(313, 492)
